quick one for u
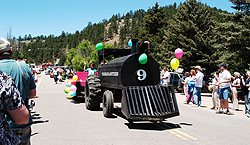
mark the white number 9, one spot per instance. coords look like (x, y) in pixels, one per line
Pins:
(141, 74)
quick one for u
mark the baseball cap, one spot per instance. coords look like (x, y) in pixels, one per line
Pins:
(224, 65)
(4, 45)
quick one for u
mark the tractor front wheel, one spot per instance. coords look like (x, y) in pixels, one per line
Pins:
(108, 103)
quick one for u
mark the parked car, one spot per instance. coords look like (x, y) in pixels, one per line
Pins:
(180, 88)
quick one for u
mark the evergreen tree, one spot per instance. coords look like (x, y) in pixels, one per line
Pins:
(233, 43)
(29, 37)
(192, 30)
(242, 6)
(155, 22)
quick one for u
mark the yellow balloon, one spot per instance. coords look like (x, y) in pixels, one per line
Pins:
(70, 96)
(75, 77)
(174, 63)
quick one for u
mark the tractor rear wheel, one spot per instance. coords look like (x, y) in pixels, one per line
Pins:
(108, 103)
(92, 92)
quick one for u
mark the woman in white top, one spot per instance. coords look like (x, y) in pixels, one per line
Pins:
(166, 77)
(185, 86)
(215, 97)
(234, 86)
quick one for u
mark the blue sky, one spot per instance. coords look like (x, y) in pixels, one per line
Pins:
(44, 17)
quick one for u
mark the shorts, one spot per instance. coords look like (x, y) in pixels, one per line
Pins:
(224, 93)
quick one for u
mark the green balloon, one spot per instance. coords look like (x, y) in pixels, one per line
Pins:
(99, 46)
(67, 90)
(143, 59)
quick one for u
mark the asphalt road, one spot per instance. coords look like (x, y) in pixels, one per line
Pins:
(62, 121)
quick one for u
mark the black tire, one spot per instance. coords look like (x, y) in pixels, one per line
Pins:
(92, 92)
(108, 104)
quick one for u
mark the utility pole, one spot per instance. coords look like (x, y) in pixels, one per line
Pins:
(9, 35)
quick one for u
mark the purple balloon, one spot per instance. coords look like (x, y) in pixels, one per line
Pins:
(178, 53)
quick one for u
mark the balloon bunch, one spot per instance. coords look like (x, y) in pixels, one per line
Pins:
(70, 88)
(175, 62)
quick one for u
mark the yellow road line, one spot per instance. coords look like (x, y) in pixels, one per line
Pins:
(185, 134)
(177, 132)
(174, 133)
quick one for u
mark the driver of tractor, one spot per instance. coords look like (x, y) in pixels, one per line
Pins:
(91, 70)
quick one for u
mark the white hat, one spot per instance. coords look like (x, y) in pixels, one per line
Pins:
(237, 74)
(198, 67)
(248, 73)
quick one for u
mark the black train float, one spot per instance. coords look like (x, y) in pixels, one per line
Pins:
(131, 82)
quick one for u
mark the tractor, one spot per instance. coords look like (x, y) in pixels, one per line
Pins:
(132, 78)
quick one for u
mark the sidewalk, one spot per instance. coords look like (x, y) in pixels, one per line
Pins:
(206, 99)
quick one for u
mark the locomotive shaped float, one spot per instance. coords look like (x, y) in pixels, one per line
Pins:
(132, 78)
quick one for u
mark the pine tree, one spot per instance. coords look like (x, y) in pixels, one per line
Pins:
(242, 6)
(191, 29)
(154, 23)
(233, 43)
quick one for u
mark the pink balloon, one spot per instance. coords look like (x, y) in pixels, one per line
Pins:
(178, 53)
(73, 88)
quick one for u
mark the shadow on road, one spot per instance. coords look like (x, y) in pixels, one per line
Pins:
(206, 95)
(202, 106)
(77, 100)
(33, 134)
(36, 118)
(40, 121)
(146, 125)
(152, 126)
(186, 124)
(118, 112)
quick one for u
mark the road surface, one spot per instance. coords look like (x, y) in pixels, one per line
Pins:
(59, 120)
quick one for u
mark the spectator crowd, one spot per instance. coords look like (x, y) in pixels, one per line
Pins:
(224, 86)
(237, 84)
